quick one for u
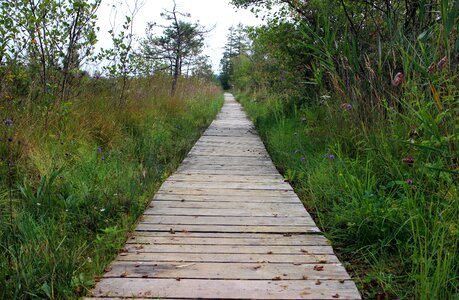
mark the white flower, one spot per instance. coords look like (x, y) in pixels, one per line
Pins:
(102, 209)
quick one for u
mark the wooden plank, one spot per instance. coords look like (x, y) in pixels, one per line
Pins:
(233, 235)
(260, 178)
(228, 220)
(309, 240)
(225, 258)
(240, 212)
(229, 206)
(233, 271)
(228, 192)
(228, 249)
(227, 228)
(226, 289)
(170, 184)
(179, 195)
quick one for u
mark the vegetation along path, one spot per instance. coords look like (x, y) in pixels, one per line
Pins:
(227, 226)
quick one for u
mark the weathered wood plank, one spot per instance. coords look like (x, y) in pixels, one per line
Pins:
(228, 249)
(226, 289)
(234, 271)
(227, 228)
(243, 211)
(227, 220)
(309, 240)
(225, 258)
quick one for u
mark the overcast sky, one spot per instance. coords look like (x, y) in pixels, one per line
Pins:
(209, 13)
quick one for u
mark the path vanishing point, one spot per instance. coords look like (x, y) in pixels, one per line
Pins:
(226, 226)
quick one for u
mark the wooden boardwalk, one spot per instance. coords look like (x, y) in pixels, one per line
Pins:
(226, 226)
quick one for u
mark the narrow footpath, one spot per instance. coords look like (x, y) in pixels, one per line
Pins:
(226, 226)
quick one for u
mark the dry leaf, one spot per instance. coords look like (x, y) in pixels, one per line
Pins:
(336, 295)
(276, 278)
(107, 269)
(318, 268)
(318, 282)
(124, 274)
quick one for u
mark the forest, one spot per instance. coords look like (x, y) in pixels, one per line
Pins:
(358, 104)
(356, 101)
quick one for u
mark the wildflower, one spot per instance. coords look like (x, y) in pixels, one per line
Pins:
(38, 204)
(431, 68)
(332, 157)
(302, 158)
(102, 209)
(99, 149)
(8, 123)
(408, 160)
(442, 63)
(103, 158)
(346, 106)
(409, 181)
(398, 79)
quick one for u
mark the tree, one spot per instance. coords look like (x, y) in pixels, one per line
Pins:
(50, 37)
(178, 44)
(237, 44)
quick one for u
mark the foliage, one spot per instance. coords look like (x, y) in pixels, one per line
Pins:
(79, 186)
(358, 105)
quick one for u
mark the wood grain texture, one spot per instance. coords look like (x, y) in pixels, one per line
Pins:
(226, 225)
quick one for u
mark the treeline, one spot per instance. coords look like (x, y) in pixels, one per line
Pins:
(82, 152)
(358, 102)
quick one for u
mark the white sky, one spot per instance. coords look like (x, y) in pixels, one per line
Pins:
(209, 13)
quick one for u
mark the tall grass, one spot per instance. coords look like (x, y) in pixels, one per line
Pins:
(71, 188)
(375, 159)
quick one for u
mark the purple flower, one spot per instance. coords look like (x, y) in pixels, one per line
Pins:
(99, 149)
(103, 158)
(332, 156)
(8, 123)
(409, 181)
(346, 106)
(302, 158)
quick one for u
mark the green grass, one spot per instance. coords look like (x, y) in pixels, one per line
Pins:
(394, 225)
(79, 182)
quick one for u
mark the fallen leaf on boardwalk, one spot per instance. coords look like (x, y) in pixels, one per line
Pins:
(304, 251)
(276, 278)
(304, 293)
(178, 279)
(341, 281)
(137, 265)
(270, 252)
(145, 276)
(139, 247)
(318, 282)
(336, 295)
(124, 274)
(297, 264)
(256, 267)
(322, 261)
(172, 231)
(318, 268)
(107, 269)
(305, 277)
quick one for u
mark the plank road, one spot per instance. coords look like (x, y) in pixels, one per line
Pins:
(226, 225)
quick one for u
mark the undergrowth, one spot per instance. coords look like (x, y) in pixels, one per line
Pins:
(72, 186)
(384, 198)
